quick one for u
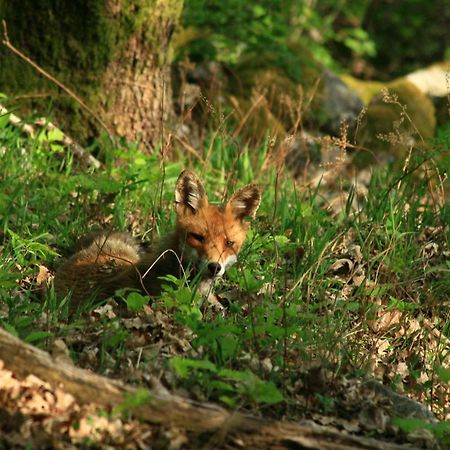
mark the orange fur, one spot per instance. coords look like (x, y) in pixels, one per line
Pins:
(207, 236)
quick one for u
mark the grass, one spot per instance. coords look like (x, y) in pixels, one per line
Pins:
(318, 294)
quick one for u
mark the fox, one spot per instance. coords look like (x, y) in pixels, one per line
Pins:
(207, 238)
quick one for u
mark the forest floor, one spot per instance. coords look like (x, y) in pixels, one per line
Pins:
(344, 281)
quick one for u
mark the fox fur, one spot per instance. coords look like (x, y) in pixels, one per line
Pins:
(206, 236)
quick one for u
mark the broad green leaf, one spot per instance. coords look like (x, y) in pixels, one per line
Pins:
(265, 392)
(444, 374)
(135, 301)
(55, 135)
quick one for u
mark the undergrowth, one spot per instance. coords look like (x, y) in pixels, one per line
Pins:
(360, 291)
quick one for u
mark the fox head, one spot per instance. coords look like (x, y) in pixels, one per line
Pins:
(213, 235)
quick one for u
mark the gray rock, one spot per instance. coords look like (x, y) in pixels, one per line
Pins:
(403, 407)
(340, 104)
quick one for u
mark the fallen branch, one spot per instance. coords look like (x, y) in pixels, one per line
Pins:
(68, 142)
(226, 428)
(17, 122)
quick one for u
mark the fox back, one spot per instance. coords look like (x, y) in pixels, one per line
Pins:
(206, 237)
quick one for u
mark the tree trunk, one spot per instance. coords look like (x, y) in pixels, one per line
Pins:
(114, 54)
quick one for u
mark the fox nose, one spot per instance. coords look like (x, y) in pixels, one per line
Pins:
(214, 268)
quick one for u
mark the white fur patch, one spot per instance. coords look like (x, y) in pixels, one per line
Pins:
(193, 199)
(239, 204)
(232, 259)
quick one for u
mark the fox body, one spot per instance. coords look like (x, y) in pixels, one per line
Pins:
(206, 236)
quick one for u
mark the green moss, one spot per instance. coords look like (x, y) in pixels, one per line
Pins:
(365, 89)
(284, 94)
(141, 17)
(419, 106)
(391, 125)
(74, 42)
(74, 39)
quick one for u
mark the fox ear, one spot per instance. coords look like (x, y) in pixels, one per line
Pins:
(245, 202)
(189, 192)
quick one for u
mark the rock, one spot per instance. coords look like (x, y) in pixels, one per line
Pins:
(273, 90)
(403, 406)
(340, 103)
(303, 153)
(433, 80)
(396, 119)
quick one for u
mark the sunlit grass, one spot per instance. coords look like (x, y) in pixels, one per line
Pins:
(312, 284)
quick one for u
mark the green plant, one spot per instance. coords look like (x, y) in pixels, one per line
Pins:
(440, 430)
(350, 290)
(229, 386)
(225, 32)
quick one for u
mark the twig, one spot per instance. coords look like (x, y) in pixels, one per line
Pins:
(17, 122)
(69, 92)
(189, 148)
(247, 115)
(68, 142)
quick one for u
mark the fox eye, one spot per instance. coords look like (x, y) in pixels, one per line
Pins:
(197, 237)
(229, 243)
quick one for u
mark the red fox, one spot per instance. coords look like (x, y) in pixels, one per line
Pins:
(206, 237)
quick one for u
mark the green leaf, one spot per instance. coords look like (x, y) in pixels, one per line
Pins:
(258, 390)
(265, 392)
(36, 336)
(250, 282)
(227, 400)
(10, 329)
(55, 135)
(4, 119)
(114, 340)
(184, 366)
(220, 385)
(409, 425)
(135, 301)
(57, 148)
(228, 345)
(444, 374)
(133, 401)
(353, 306)
(236, 375)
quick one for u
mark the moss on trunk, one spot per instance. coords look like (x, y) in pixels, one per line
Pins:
(79, 42)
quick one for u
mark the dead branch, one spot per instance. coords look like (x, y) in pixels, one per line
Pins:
(171, 410)
(17, 122)
(79, 152)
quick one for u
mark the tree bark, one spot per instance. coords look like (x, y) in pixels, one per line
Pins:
(228, 429)
(140, 103)
(114, 54)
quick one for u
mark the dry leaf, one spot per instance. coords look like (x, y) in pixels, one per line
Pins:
(342, 266)
(43, 276)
